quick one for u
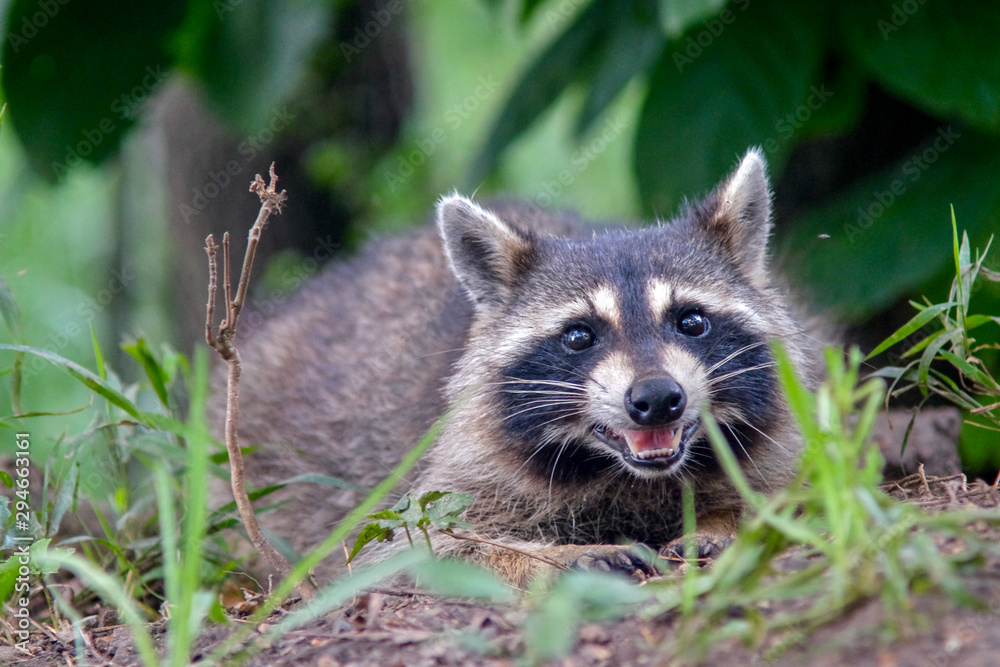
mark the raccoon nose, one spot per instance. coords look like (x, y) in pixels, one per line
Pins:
(655, 401)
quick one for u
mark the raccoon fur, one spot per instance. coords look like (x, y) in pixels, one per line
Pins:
(576, 363)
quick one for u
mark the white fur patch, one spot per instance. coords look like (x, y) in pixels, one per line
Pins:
(718, 301)
(658, 293)
(689, 372)
(611, 378)
(605, 303)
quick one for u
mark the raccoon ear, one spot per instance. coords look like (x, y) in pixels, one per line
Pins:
(738, 215)
(487, 255)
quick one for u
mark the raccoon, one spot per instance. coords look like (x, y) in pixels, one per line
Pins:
(576, 365)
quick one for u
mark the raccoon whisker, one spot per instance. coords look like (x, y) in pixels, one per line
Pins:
(749, 458)
(570, 413)
(551, 392)
(555, 464)
(546, 383)
(746, 422)
(551, 400)
(439, 352)
(542, 445)
(746, 348)
(543, 406)
(721, 378)
(564, 369)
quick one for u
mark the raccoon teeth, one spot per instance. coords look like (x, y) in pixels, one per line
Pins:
(658, 443)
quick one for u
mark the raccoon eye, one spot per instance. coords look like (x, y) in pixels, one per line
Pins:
(578, 338)
(692, 323)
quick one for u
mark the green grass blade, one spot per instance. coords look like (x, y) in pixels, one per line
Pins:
(975, 321)
(196, 515)
(110, 589)
(969, 370)
(918, 321)
(955, 247)
(98, 355)
(931, 352)
(158, 379)
(10, 312)
(333, 540)
(168, 536)
(84, 376)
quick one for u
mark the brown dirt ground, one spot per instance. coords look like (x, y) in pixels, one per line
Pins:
(398, 627)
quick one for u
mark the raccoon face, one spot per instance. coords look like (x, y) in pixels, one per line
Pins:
(600, 354)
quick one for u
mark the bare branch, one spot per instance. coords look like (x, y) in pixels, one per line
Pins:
(223, 343)
(213, 277)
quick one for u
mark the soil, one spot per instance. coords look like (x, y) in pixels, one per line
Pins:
(406, 627)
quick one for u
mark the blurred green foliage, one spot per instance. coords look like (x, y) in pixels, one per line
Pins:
(615, 108)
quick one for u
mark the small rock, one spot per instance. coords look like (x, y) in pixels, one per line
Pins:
(592, 633)
(933, 441)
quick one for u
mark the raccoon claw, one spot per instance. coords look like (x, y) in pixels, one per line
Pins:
(614, 559)
(707, 548)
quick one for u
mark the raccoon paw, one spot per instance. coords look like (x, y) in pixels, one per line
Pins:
(612, 559)
(707, 547)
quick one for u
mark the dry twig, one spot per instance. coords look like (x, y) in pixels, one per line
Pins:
(270, 202)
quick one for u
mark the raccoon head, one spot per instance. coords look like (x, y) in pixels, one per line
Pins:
(599, 354)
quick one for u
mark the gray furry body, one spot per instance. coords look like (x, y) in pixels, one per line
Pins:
(534, 327)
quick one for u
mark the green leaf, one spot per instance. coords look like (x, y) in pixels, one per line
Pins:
(544, 80)
(676, 16)
(931, 353)
(6, 480)
(446, 512)
(75, 77)
(942, 57)
(884, 235)
(635, 41)
(253, 55)
(917, 322)
(707, 104)
(140, 351)
(65, 498)
(372, 531)
(87, 378)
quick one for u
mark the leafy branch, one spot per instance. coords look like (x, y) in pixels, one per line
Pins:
(441, 509)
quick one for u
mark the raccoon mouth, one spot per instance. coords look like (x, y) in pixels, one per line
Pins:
(649, 447)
